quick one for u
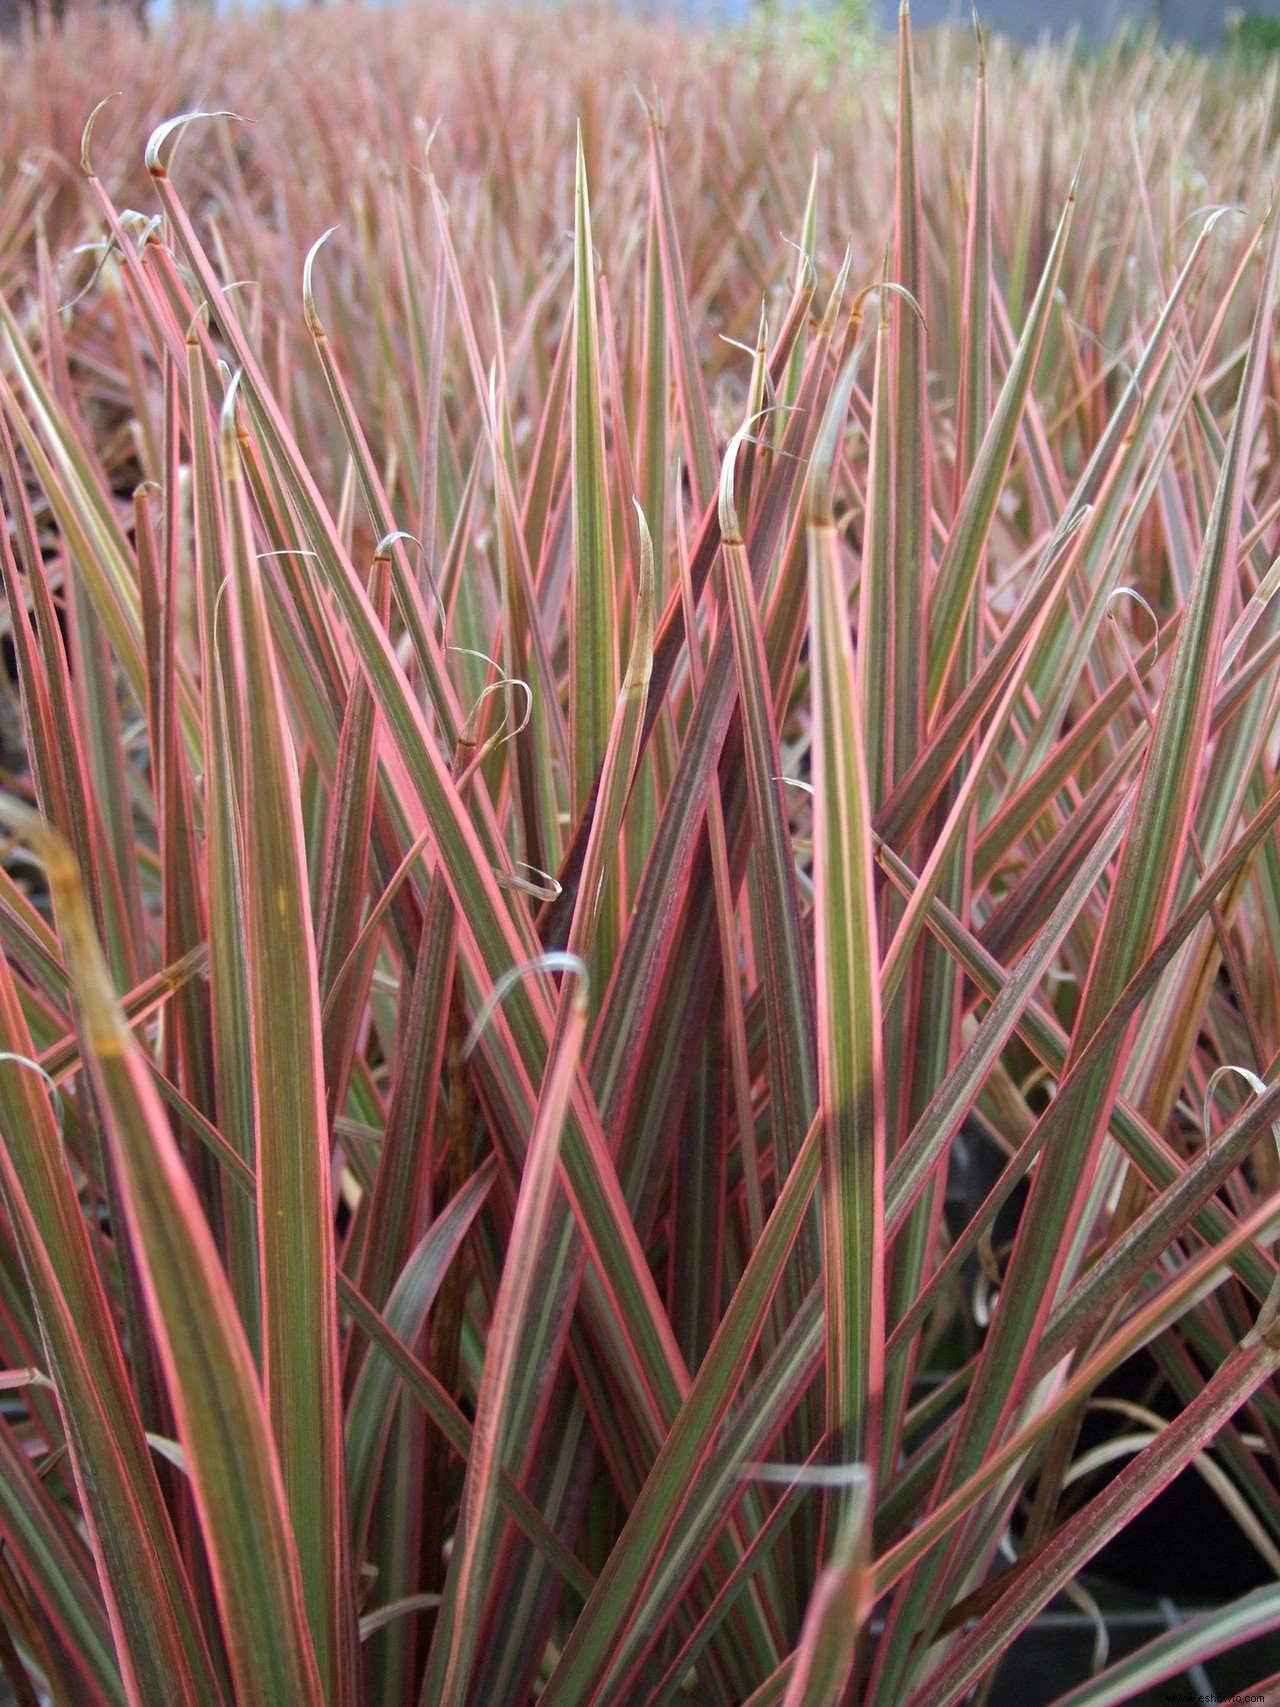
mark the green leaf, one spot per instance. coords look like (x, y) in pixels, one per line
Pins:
(295, 1212)
(788, 993)
(839, 1608)
(850, 1059)
(211, 1380)
(372, 1401)
(593, 628)
(453, 1648)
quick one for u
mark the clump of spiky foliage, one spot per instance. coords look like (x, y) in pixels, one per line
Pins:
(562, 798)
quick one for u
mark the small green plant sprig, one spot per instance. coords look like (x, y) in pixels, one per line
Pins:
(1252, 33)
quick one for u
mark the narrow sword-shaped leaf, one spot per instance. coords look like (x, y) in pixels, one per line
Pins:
(762, 1541)
(593, 629)
(957, 572)
(452, 1653)
(58, 1572)
(876, 587)
(127, 1526)
(404, 1165)
(850, 1060)
(1200, 1638)
(188, 1031)
(910, 418)
(839, 1607)
(369, 1414)
(973, 404)
(56, 746)
(670, 637)
(1195, 1281)
(211, 1380)
(1155, 1160)
(652, 457)
(85, 516)
(718, 1488)
(948, 835)
(148, 1599)
(642, 968)
(618, 767)
(788, 995)
(591, 1643)
(938, 1014)
(295, 1213)
(1164, 1217)
(916, 1161)
(371, 486)
(228, 974)
(804, 270)
(694, 414)
(346, 854)
(1124, 441)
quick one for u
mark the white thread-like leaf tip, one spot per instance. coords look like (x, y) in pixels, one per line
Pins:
(314, 323)
(87, 132)
(161, 134)
(555, 960)
(55, 1095)
(807, 1475)
(227, 429)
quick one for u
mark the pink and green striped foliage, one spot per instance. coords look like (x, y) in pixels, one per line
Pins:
(565, 758)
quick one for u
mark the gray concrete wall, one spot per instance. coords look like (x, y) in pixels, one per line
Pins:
(1198, 21)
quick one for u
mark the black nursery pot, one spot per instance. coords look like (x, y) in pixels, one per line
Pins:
(1182, 1554)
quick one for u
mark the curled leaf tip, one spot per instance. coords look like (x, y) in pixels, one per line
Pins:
(906, 296)
(1256, 1085)
(1118, 593)
(730, 531)
(541, 884)
(470, 732)
(160, 135)
(651, 113)
(314, 323)
(555, 960)
(105, 1032)
(382, 550)
(227, 429)
(807, 1475)
(428, 134)
(198, 319)
(55, 1095)
(382, 553)
(809, 273)
(830, 319)
(640, 664)
(27, 822)
(822, 466)
(85, 163)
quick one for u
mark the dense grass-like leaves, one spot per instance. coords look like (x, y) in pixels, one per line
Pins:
(220, 1413)
(861, 660)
